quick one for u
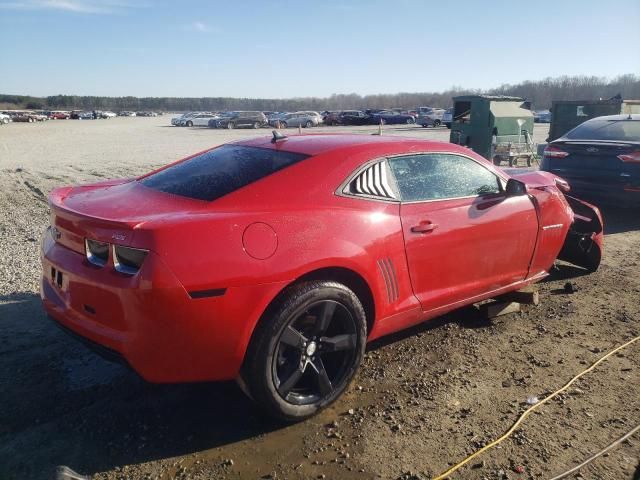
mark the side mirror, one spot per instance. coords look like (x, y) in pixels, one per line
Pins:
(515, 188)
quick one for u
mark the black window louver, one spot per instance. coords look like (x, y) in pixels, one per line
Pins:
(373, 181)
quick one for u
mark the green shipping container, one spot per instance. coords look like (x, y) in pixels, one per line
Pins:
(477, 118)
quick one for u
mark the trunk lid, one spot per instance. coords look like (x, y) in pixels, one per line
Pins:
(112, 212)
(593, 162)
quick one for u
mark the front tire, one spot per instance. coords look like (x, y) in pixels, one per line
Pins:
(189, 124)
(230, 126)
(309, 124)
(306, 350)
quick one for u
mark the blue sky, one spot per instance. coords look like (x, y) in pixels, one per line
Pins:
(282, 48)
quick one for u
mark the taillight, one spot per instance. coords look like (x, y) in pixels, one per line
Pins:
(128, 260)
(554, 152)
(633, 157)
(97, 252)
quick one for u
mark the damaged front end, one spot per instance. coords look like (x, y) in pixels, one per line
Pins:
(583, 245)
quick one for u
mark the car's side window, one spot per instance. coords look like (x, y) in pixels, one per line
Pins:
(438, 176)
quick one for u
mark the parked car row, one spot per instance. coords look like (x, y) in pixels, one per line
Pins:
(248, 119)
(425, 116)
(31, 116)
(22, 116)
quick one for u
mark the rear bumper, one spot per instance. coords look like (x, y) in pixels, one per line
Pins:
(618, 194)
(606, 195)
(149, 319)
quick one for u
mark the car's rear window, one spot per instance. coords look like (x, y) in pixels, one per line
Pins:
(216, 173)
(611, 130)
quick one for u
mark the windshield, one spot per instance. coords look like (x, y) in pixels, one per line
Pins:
(607, 130)
(215, 173)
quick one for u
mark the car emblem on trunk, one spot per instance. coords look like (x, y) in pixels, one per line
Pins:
(118, 236)
(592, 150)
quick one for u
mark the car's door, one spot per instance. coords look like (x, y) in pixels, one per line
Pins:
(463, 235)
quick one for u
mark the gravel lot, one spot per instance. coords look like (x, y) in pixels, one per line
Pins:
(424, 399)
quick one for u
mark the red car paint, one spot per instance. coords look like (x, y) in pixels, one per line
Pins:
(249, 245)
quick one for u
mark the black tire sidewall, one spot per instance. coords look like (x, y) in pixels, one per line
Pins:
(258, 365)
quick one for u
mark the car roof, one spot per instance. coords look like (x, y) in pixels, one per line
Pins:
(316, 144)
(623, 116)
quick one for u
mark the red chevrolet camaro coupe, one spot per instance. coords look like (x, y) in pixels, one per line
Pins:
(274, 261)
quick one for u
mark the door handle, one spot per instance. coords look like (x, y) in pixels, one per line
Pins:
(424, 227)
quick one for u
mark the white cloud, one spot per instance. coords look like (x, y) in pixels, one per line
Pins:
(100, 7)
(200, 27)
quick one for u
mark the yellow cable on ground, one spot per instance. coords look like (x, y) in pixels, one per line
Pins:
(524, 415)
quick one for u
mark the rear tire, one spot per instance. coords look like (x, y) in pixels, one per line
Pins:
(256, 125)
(410, 121)
(230, 126)
(283, 124)
(436, 123)
(306, 350)
(309, 124)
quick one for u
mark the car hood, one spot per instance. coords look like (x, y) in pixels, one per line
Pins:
(533, 178)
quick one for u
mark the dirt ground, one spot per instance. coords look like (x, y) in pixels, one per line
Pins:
(423, 400)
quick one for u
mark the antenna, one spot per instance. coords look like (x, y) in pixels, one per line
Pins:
(277, 136)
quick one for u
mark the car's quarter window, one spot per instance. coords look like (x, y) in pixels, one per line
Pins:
(438, 176)
(215, 173)
(373, 181)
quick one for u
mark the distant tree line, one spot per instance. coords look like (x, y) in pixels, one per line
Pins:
(539, 92)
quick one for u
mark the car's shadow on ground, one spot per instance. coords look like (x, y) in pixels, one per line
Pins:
(64, 405)
(467, 317)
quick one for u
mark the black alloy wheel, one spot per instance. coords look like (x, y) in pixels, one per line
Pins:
(304, 355)
(314, 352)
